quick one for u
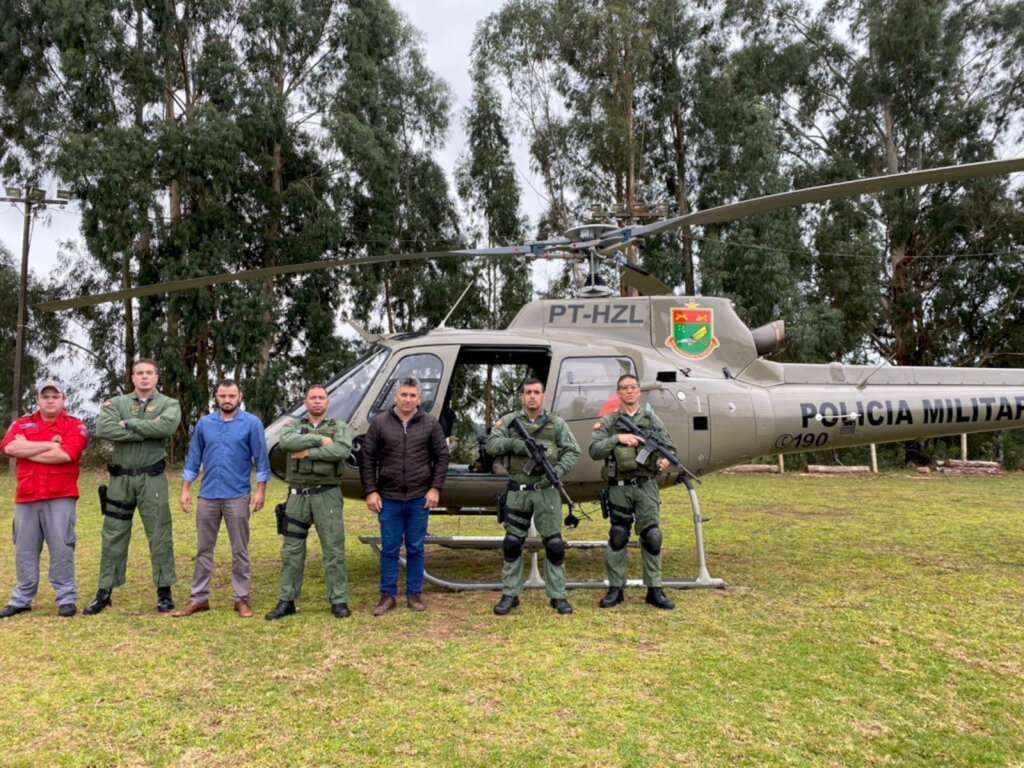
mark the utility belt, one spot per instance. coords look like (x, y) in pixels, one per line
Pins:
(116, 470)
(633, 481)
(515, 485)
(314, 490)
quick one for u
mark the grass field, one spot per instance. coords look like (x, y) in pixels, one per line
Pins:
(882, 624)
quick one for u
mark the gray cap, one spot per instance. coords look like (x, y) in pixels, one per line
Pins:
(50, 384)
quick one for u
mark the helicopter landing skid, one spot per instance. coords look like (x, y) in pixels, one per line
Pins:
(533, 544)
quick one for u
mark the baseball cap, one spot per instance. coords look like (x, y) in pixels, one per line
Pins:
(50, 384)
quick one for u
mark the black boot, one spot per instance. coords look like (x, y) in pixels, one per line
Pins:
(614, 597)
(282, 609)
(102, 601)
(506, 604)
(561, 605)
(339, 611)
(656, 597)
(164, 603)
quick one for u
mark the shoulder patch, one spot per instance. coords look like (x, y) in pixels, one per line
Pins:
(83, 430)
(597, 425)
(106, 404)
(499, 422)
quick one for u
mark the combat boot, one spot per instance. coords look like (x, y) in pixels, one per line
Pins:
(656, 597)
(614, 597)
(506, 604)
(101, 601)
(282, 609)
(340, 611)
(164, 602)
(561, 606)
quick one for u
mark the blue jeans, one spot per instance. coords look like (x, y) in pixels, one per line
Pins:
(398, 520)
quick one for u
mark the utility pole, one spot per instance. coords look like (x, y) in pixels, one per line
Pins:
(30, 198)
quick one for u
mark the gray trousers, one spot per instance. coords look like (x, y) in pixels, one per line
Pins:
(235, 513)
(52, 521)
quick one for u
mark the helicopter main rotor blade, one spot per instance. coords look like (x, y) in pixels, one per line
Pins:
(175, 286)
(746, 208)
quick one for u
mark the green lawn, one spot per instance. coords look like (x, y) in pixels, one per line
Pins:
(881, 624)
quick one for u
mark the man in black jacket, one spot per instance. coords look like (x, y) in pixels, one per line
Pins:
(402, 465)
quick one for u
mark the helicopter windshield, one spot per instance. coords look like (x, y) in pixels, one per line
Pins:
(346, 391)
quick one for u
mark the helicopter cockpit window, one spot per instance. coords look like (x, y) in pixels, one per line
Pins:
(425, 367)
(585, 384)
(346, 391)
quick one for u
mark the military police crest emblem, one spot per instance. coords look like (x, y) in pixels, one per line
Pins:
(693, 332)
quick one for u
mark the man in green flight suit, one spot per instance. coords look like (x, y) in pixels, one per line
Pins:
(532, 496)
(632, 493)
(317, 448)
(138, 425)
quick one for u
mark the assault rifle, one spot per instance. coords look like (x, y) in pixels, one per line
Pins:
(539, 458)
(653, 443)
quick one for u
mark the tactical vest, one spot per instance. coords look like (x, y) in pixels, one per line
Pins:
(622, 463)
(305, 471)
(544, 433)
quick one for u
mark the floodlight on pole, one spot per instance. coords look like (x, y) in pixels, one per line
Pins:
(31, 198)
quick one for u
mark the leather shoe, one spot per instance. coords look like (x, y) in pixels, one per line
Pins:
(340, 611)
(101, 601)
(561, 606)
(192, 606)
(164, 602)
(656, 597)
(506, 604)
(415, 602)
(243, 609)
(614, 597)
(387, 602)
(67, 610)
(282, 609)
(14, 610)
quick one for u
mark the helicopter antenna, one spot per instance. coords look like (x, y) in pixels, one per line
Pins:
(863, 382)
(456, 304)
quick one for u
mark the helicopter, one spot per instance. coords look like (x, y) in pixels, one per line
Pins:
(705, 372)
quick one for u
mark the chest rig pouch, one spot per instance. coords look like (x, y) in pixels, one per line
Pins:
(622, 460)
(317, 467)
(543, 432)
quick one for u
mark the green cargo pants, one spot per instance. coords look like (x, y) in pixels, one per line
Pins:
(148, 493)
(640, 506)
(324, 510)
(545, 507)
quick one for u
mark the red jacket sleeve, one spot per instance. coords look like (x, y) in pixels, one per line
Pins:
(74, 436)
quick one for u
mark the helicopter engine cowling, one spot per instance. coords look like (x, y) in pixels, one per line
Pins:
(769, 337)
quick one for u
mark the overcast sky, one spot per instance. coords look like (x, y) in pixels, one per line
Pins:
(447, 27)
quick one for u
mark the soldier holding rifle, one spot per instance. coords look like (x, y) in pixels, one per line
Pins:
(632, 499)
(531, 495)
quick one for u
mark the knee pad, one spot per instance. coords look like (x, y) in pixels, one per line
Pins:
(618, 538)
(650, 539)
(512, 546)
(554, 549)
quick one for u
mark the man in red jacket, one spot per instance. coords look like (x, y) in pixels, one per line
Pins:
(47, 446)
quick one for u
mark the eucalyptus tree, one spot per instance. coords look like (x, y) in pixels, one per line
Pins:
(208, 136)
(921, 276)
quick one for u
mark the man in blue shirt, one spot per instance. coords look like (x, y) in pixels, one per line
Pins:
(225, 443)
